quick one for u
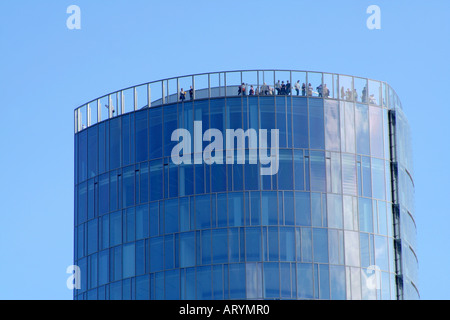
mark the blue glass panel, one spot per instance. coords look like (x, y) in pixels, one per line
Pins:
(140, 257)
(92, 227)
(236, 209)
(187, 249)
(376, 132)
(365, 250)
(206, 247)
(113, 191)
(337, 277)
(285, 173)
(219, 246)
(324, 286)
(365, 215)
(218, 177)
(218, 286)
(289, 211)
(141, 136)
(156, 180)
(172, 285)
(237, 285)
(287, 244)
(320, 242)
(269, 206)
(282, 120)
(254, 280)
(115, 230)
(332, 128)
(170, 125)
(381, 253)
(233, 245)
(156, 254)
(253, 244)
(300, 120)
(129, 260)
(200, 179)
(335, 218)
(173, 180)
(103, 267)
(115, 141)
(203, 211)
(105, 232)
(154, 219)
(318, 173)
(186, 180)
(82, 203)
(128, 186)
(169, 254)
(362, 129)
(103, 147)
(273, 244)
(155, 131)
(171, 216)
(93, 273)
(222, 204)
(285, 280)
(378, 176)
(159, 286)
(129, 227)
(185, 224)
(116, 263)
(271, 280)
(115, 291)
(142, 222)
(142, 184)
(349, 174)
(252, 174)
(127, 139)
(305, 287)
(142, 287)
(255, 208)
(366, 177)
(103, 197)
(316, 122)
(92, 152)
(302, 209)
(299, 170)
(82, 156)
(92, 208)
(204, 283)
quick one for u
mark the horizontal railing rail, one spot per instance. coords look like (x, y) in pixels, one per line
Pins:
(232, 83)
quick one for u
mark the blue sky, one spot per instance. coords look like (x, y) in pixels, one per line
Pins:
(47, 70)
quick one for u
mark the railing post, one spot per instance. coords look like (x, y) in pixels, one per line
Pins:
(149, 95)
(99, 111)
(209, 86)
(135, 98)
(193, 86)
(163, 93)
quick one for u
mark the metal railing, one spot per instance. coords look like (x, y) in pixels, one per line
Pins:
(228, 83)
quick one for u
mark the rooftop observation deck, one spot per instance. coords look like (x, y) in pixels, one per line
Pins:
(227, 84)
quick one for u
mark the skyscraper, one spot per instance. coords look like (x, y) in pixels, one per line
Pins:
(316, 203)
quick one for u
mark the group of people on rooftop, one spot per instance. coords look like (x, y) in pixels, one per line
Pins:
(282, 89)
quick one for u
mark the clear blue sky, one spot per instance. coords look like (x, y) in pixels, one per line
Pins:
(47, 70)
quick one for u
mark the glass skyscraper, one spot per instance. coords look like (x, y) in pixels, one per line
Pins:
(335, 222)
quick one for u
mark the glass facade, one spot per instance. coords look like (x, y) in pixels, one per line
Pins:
(335, 222)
